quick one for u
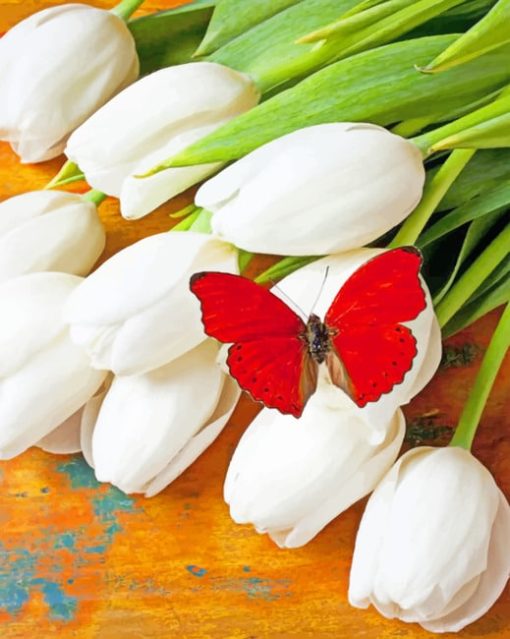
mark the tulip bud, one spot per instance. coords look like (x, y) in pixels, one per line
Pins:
(135, 313)
(302, 288)
(290, 478)
(44, 376)
(432, 546)
(151, 427)
(59, 66)
(319, 190)
(48, 231)
(150, 122)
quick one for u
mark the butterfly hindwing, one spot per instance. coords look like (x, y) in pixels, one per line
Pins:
(268, 357)
(277, 371)
(365, 320)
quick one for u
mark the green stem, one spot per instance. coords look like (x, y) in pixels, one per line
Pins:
(491, 363)
(433, 193)
(187, 222)
(202, 223)
(126, 8)
(284, 267)
(474, 276)
(408, 128)
(439, 138)
(94, 196)
(243, 259)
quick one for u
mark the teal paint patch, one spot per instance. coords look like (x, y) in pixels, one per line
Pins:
(196, 571)
(80, 474)
(255, 587)
(61, 606)
(106, 507)
(16, 572)
(17, 580)
(96, 550)
(65, 540)
(246, 569)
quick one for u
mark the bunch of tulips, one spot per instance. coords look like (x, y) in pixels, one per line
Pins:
(326, 132)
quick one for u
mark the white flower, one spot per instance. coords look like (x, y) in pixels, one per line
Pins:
(48, 231)
(432, 546)
(290, 477)
(302, 288)
(151, 427)
(56, 68)
(318, 190)
(44, 376)
(135, 313)
(150, 122)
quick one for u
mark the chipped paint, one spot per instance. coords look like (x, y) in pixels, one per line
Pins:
(196, 571)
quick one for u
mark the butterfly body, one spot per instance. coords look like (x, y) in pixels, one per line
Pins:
(275, 355)
(317, 337)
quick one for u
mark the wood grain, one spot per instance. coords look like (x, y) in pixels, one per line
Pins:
(85, 561)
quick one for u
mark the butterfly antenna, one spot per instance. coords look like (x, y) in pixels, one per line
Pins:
(291, 302)
(320, 290)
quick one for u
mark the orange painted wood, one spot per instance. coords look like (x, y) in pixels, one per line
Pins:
(87, 562)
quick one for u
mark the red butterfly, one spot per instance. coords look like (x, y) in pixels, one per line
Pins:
(275, 355)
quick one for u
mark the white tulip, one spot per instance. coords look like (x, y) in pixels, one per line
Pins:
(44, 376)
(318, 190)
(290, 477)
(302, 289)
(151, 427)
(56, 68)
(432, 546)
(135, 313)
(49, 231)
(150, 122)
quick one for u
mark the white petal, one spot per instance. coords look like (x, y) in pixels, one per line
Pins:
(65, 439)
(142, 119)
(370, 536)
(146, 420)
(49, 99)
(199, 442)
(135, 313)
(64, 234)
(443, 494)
(361, 483)
(357, 181)
(491, 582)
(287, 476)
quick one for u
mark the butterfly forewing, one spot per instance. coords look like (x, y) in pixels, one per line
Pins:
(365, 321)
(268, 357)
(236, 309)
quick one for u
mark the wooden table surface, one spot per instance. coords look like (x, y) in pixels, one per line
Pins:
(84, 560)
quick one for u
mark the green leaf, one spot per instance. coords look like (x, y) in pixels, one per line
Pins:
(69, 173)
(379, 86)
(380, 23)
(491, 32)
(170, 37)
(456, 20)
(477, 230)
(473, 310)
(231, 18)
(485, 171)
(477, 208)
(494, 279)
(269, 53)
